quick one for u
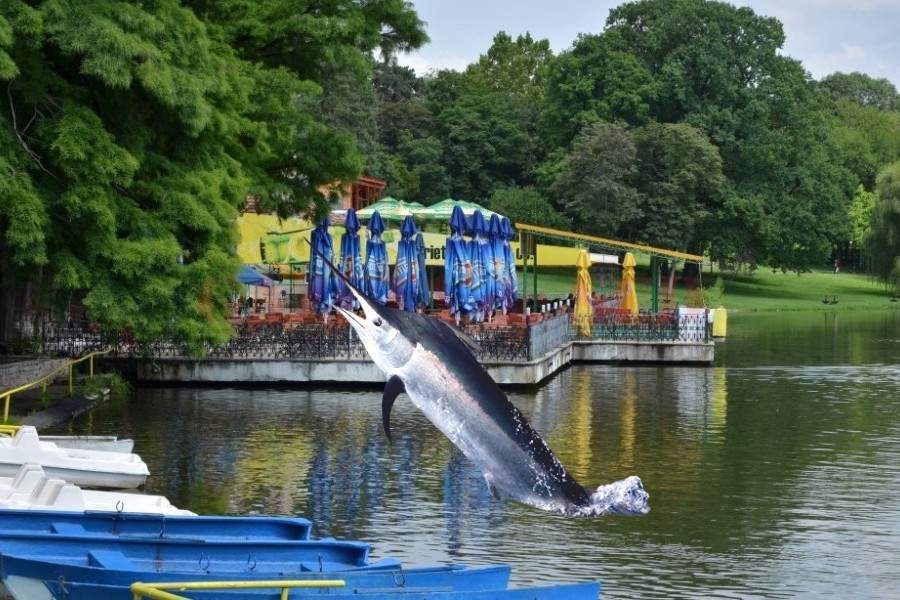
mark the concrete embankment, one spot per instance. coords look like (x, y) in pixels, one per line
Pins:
(350, 371)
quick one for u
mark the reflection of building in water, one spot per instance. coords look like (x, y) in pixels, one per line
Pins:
(702, 397)
(570, 438)
(627, 416)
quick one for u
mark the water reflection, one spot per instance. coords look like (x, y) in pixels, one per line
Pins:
(769, 476)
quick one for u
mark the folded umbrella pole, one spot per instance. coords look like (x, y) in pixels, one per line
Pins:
(322, 285)
(376, 268)
(458, 272)
(351, 262)
(406, 270)
(482, 265)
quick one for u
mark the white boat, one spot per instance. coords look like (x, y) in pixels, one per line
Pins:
(33, 489)
(90, 468)
(106, 443)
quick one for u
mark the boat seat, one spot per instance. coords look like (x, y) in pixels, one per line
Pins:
(67, 528)
(109, 559)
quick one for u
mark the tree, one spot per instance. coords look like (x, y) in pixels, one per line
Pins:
(718, 68)
(867, 138)
(592, 181)
(862, 89)
(679, 176)
(883, 241)
(860, 215)
(131, 134)
(595, 82)
(526, 205)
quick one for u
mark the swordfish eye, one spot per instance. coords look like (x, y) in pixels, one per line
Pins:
(377, 322)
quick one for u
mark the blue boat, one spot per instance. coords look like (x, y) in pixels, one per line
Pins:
(77, 591)
(79, 581)
(113, 524)
(188, 557)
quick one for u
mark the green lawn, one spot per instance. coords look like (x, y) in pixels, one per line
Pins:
(760, 291)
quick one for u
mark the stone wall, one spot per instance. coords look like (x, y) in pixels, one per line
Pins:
(17, 371)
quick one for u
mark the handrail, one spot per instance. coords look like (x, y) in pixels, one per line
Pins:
(6, 394)
(547, 231)
(157, 591)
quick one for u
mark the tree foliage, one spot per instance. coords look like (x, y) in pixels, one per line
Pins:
(527, 205)
(862, 89)
(592, 181)
(132, 132)
(884, 239)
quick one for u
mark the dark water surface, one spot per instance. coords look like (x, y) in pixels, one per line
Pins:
(775, 473)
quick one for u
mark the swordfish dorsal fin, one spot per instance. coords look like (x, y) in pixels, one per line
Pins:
(393, 388)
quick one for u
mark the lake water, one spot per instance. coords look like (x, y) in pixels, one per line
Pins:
(775, 473)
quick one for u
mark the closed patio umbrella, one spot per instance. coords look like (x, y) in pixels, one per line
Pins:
(508, 234)
(376, 270)
(498, 257)
(628, 290)
(424, 296)
(581, 317)
(482, 265)
(458, 272)
(406, 270)
(351, 262)
(322, 285)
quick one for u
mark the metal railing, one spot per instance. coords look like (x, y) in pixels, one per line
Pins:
(649, 328)
(6, 395)
(158, 591)
(333, 341)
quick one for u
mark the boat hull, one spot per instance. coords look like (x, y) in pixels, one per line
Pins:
(115, 525)
(104, 443)
(77, 591)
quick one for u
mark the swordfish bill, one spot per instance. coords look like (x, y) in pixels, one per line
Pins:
(434, 364)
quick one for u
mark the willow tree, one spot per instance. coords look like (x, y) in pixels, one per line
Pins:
(884, 237)
(131, 132)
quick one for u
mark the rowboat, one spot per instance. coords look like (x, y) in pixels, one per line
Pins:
(105, 443)
(115, 524)
(91, 468)
(62, 590)
(31, 488)
(191, 557)
(42, 579)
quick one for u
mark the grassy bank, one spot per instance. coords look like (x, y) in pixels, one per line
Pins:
(762, 290)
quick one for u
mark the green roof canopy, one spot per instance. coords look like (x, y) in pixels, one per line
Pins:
(444, 209)
(389, 208)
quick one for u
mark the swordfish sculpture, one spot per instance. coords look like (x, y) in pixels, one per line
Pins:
(434, 364)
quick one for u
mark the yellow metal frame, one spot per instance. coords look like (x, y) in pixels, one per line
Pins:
(157, 591)
(652, 250)
(7, 394)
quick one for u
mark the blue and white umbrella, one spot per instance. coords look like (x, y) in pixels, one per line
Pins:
(351, 262)
(498, 256)
(458, 272)
(424, 290)
(376, 270)
(507, 234)
(322, 281)
(406, 271)
(482, 263)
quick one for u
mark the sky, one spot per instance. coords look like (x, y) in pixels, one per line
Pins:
(826, 35)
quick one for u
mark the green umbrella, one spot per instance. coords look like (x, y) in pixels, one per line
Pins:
(444, 209)
(389, 208)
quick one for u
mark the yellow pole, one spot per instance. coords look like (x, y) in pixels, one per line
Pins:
(6, 407)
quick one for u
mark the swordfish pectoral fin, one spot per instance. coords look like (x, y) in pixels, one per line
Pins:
(392, 389)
